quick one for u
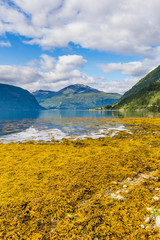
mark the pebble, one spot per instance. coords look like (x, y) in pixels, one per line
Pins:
(145, 176)
(142, 226)
(155, 198)
(125, 186)
(70, 215)
(129, 179)
(119, 191)
(153, 216)
(148, 227)
(147, 220)
(157, 222)
(127, 191)
(116, 183)
(149, 208)
(157, 189)
(118, 197)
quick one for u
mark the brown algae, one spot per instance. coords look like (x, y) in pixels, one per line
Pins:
(106, 188)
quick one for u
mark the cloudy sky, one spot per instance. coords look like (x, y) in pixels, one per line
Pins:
(106, 44)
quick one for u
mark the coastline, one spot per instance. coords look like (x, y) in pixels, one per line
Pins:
(94, 188)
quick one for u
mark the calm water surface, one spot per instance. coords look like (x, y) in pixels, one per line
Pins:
(55, 124)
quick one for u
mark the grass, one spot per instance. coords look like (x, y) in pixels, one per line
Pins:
(70, 190)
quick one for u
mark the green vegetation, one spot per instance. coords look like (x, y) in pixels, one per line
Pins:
(106, 188)
(80, 101)
(76, 96)
(145, 95)
(17, 99)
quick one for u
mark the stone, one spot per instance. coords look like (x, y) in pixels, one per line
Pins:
(155, 198)
(119, 191)
(142, 226)
(127, 191)
(147, 220)
(157, 221)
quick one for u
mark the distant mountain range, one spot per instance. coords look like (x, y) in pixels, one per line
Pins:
(17, 99)
(76, 96)
(145, 95)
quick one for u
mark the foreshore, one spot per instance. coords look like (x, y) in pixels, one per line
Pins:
(105, 188)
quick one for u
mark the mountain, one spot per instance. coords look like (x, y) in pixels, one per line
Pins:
(77, 96)
(41, 95)
(17, 99)
(143, 95)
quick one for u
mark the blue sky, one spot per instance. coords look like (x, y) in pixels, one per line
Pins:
(50, 44)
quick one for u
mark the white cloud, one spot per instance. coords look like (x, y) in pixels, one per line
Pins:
(5, 44)
(51, 75)
(47, 62)
(117, 86)
(128, 27)
(135, 68)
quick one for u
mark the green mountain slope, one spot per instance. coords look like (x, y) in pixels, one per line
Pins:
(17, 99)
(41, 95)
(144, 95)
(78, 96)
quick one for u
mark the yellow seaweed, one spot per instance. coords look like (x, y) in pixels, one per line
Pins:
(84, 189)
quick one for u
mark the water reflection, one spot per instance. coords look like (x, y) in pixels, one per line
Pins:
(94, 114)
(11, 122)
(60, 123)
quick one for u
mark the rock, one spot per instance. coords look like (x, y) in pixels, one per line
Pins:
(153, 216)
(119, 191)
(145, 176)
(147, 220)
(129, 179)
(116, 183)
(125, 186)
(157, 222)
(155, 198)
(118, 197)
(142, 226)
(149, 208)
(127, 191)
(113, 195)
(148, 227)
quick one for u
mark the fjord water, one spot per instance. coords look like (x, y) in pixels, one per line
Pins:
(57, 124)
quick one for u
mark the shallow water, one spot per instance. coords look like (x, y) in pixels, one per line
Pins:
(55, 125)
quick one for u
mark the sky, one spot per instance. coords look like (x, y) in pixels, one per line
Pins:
(106, 44)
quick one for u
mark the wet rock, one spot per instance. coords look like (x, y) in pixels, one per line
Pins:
(147, 220)
(157, 221)
(116, 183)
(119, 197)
(149, 208)
(119, 191)
(142, 226)
(155, 198)
(153, 216)
(129, 179)
(127, 191)
(145, 176)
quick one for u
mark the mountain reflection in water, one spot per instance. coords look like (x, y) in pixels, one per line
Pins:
(55, 124)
